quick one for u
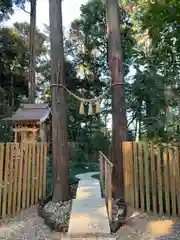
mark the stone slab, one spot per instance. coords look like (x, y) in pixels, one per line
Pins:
(88, 238)
(88, 189)
(89, 216)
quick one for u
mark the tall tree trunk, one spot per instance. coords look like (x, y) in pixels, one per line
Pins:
(32, 52)
(59, 105)
(119, 122)
(169, 114)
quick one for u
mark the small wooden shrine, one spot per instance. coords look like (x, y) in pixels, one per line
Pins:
(30, 122)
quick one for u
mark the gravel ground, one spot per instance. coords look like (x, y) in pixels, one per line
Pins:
(60, 211)
(29, 226)
(26, 226)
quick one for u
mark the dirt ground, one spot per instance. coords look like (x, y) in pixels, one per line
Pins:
(28, 226)
(139, 227)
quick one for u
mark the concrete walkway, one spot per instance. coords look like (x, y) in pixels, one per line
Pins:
(89, 214)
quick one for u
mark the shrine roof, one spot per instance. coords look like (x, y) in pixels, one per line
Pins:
(31, 112)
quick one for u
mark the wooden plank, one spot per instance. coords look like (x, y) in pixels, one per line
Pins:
(166, 181)
(37, 172)
(141, 176)
(172, 180)
(136, 181)
(33, 174)
(44, 169)
(16, 165)
(41, 170)
(176, 156)
(25, 130)
(160, 185)
(125, 164)
(29, 161)
(110, 192)
(106, 179)
(147, 177)
(129, 169)
(24, 190)
(10, 180)
(131, 174)
(153, 178)
(5, 180)
(106, 159)
(20, 177)
(1, 173)
(101, 170)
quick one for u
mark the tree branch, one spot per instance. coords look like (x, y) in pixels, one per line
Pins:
(133, 118)
(23, 8)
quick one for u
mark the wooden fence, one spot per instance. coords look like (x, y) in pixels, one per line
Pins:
(152, 177)
(106, 181)
(22, 176)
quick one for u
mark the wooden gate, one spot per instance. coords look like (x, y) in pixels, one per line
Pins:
(22, 176)
(152, 177)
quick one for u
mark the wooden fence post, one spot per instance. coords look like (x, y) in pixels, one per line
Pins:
(172, 181)
(177, 166)
(1, 173)
(141, 176)
(106, 178)
(160, 186)
(136, 182)
(41, 170)
(44, 169)
(29, 159)
(37, 172)
(20, 172)
(4, 202)
(147, 177)
(24, 190)
(16, 165)
(166, 180)
(101, 171)
(128, 172)
(110, 192)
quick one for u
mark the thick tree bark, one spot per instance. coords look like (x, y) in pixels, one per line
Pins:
(59, 108)
(119, 123)
(32, 52)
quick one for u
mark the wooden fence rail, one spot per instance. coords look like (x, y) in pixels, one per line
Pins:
(22, 176)
(152, 177)
(106, 181)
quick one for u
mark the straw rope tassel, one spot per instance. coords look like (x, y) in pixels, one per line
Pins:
(81, 109)
(98, 108)
(90, 111)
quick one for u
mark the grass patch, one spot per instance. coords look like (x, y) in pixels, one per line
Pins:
(96, 176)
(77, 168)
(74, 169)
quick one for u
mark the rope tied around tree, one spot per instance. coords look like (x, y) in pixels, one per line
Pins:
(93, 101)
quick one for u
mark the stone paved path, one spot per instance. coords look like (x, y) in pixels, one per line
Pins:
(89, 212)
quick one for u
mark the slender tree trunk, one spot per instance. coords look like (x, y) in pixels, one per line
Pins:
(59, 105)
(119, 123)
(169, 114)
(32, 52)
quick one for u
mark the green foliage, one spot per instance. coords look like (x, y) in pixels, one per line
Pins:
(154, 88)
(6, 7)
(13, 64)
(76, 167)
